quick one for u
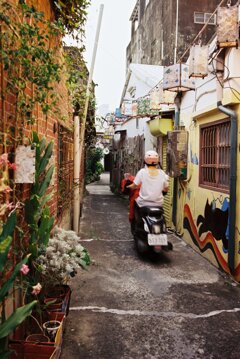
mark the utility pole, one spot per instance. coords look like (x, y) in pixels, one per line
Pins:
(79, 189)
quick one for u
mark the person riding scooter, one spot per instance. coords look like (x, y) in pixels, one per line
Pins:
(153, 181)
(148, 207)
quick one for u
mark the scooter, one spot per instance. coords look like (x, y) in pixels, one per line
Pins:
(149, 230)
(148, 225)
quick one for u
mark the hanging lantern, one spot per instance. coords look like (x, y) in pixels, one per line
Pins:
(143, 105)
(127, 108)
(166, 97)
(198, 61)
(155, 99)
(227, 26)
(176, 78)
(134, 108)
(158, 98)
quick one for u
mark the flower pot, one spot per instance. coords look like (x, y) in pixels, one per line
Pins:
(58, 293)
(23, 349)
(37, 338)
(51, 327)
(55, 305)
(30, 350)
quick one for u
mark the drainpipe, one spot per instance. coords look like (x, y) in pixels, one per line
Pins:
(175, 181)
(233, 183)
(233, 170)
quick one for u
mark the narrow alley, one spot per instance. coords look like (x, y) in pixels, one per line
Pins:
(125, 308)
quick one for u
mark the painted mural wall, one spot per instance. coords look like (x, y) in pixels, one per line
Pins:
(203, 214)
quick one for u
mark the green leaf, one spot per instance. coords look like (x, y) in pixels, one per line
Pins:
(16, 318)
(42, 144)
(32, 209)
(9, 226)
(47, 179)
(46, 199)
(4, 354)
(45, 159)
(45, 227)
(35, 138)
(4, 249)
(82, 263)
(8, 284)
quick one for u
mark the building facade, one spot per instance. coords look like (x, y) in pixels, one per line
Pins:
(162, 30)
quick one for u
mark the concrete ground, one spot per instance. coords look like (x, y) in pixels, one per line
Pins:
(124, 307)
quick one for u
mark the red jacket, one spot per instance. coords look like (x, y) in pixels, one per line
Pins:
(133, 194)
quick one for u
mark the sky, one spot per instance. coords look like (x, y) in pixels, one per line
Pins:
(115, 33)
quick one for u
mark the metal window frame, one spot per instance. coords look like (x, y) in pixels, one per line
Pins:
(195, 14)
(205, 20)
(212, 156)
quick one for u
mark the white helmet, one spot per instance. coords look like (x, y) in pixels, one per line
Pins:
(151, 158)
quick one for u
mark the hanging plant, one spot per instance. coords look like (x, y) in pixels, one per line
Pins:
(72, 13)
(30, 63)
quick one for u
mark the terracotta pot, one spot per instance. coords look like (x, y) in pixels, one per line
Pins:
(37, 338)
(55, 292)
(55, 306)
(21, 349)
(61, 292)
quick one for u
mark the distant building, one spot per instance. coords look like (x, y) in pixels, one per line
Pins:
(162, 30)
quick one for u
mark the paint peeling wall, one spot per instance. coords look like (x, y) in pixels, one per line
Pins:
(203, 214)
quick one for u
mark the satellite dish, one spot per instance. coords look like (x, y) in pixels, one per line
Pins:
(106, 151)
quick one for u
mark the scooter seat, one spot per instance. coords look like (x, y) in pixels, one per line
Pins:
(151, 211)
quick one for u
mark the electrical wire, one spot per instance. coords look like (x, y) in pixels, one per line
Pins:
(233, 90)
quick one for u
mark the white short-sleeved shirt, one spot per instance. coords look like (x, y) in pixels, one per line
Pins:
(151, 187)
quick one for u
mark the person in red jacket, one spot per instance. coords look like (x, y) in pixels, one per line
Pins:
(133, 194)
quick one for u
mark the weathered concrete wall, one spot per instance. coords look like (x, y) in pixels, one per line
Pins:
(153, 41)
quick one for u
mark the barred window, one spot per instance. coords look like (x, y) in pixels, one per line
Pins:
(215, 156)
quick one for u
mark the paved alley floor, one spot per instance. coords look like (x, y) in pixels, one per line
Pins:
(124, 307)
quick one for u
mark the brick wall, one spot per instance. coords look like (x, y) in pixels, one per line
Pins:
(44, 125)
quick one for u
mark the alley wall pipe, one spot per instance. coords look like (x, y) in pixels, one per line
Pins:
(175, 181)
(76, 180)
(233, 183)
(88, 90)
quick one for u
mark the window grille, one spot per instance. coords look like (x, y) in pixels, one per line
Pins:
(215, 156)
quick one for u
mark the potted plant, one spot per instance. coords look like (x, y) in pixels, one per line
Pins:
(7, 325)
(58, 263)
